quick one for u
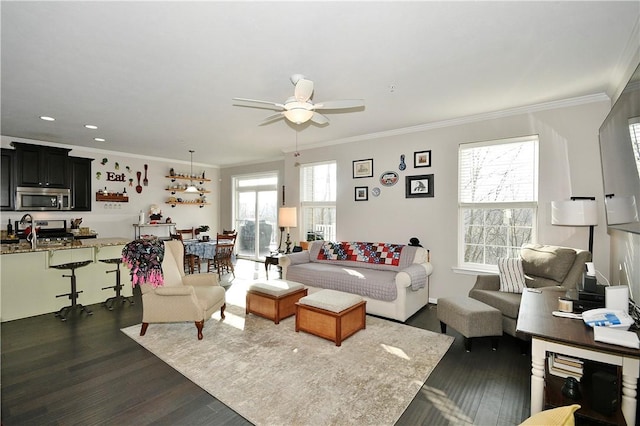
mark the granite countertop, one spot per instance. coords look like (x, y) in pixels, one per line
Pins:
(76, 244)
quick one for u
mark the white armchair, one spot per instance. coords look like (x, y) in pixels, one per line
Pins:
(183, 297)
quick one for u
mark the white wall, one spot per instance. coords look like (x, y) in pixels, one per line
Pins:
(116, 219)
(569, 166)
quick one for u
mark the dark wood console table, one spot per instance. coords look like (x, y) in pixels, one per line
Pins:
(573, 338)
(272, 259)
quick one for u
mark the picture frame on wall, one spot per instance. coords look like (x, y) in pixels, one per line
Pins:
(422, 159)
(363, 168)
(361, 193)
(419, 186)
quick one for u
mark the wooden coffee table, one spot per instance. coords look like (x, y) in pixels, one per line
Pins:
(332, 324)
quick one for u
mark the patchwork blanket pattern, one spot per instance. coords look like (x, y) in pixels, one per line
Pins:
(376, 253)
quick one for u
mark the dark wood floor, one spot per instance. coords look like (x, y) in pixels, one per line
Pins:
(86, 371)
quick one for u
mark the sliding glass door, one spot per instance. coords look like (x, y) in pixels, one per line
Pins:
(255, 212)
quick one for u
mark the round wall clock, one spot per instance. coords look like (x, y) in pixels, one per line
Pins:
(389, 178)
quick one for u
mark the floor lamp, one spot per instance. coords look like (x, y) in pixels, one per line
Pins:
(288, 218)
(580, 211)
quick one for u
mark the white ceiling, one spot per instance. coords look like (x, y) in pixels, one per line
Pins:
(158, 78)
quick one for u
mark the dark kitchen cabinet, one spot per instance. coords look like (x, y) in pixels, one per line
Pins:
(80, 170)
(41, 166)
(7, 180)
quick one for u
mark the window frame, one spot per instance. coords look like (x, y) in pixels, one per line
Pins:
(304, 204)
(500, 205)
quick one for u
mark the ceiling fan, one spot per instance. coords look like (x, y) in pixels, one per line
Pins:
(299, 108)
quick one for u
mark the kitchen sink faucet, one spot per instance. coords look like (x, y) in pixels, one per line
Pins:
(32, 237)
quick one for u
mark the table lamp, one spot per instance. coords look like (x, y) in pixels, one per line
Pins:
(288, 218)
(580, 211)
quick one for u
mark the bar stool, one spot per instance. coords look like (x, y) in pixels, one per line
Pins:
(62, 313)
(118, 297)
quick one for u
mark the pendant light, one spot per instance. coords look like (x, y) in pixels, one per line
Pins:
(191, 188)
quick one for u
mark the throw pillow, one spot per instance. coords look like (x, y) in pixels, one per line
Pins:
(511, 275)
(561, 416)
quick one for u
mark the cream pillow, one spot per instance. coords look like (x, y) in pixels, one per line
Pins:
(511, 275)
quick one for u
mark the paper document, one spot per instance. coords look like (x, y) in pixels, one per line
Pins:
(616, 337)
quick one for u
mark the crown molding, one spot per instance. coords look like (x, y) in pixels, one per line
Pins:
(528, 109)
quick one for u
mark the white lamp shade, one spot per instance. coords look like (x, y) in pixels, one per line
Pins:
(574, 213)
(621, 210)
(287, 217)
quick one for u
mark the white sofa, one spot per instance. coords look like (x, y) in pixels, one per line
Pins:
(394, 291)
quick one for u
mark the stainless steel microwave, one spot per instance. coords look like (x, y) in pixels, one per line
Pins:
(39, 199)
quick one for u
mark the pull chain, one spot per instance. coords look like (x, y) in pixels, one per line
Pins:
(296, 154)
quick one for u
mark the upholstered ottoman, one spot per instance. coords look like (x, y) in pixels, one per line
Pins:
(471, 318)
(274, 300)
(331, 314)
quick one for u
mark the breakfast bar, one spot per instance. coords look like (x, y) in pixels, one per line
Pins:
(30, 282)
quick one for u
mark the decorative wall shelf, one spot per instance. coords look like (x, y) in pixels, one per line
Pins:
(183, 203)
(180, 188)
(179, 177)
(113, 198)
(174, 190)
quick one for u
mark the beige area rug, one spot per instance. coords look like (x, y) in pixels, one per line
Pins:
(272, 375)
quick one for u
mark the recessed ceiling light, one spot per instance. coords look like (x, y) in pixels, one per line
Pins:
(90, 126)
(46, 118)
(99, 139)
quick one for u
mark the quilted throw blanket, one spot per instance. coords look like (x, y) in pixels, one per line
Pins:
(144, 258)
(377, 253)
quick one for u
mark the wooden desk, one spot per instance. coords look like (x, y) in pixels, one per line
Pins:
(573, 338)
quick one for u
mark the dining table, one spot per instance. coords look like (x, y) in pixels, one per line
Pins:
(202, 249)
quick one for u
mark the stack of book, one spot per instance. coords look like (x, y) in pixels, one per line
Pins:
(565, 366)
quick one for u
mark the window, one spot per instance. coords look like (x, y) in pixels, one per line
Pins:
(255, 207)
(318, 200)
(634, 131)
(497, 200)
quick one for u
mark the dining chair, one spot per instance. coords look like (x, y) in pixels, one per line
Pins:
(226, 238)
(191, 261)
(222, 261)
(189, 233)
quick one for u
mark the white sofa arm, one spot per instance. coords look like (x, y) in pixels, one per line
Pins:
(293, 259)
(414, 272)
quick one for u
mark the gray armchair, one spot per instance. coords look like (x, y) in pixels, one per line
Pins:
(183, 297)
(548, 268)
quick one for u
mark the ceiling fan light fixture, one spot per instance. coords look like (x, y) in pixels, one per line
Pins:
(298, 115)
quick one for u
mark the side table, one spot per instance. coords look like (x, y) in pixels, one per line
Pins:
(273, 259)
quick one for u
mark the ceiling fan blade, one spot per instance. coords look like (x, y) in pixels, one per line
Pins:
(340, 104)
(273, 117)
(319, 118)
(260, 102)
(304, 90)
